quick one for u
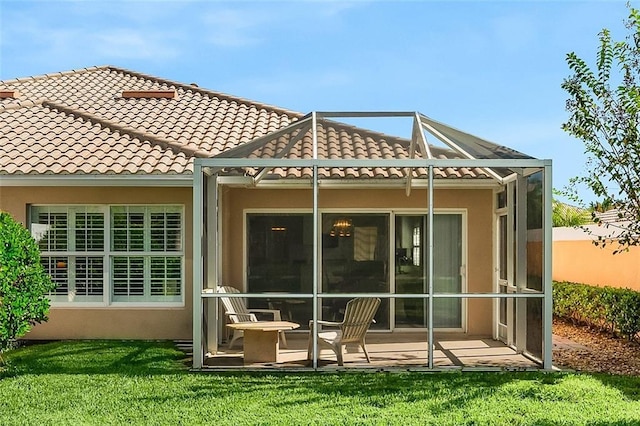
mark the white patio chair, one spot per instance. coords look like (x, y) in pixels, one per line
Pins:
(358, 316)
(236, 311)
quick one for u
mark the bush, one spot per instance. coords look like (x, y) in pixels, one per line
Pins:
(24, 284)
(615, 310)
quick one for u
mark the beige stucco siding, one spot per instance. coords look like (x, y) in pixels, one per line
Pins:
(582, 262)
(476, 202)
(111, 322)
(175, 323)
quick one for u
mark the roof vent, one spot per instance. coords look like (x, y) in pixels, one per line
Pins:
(147, 94)
(9, 94)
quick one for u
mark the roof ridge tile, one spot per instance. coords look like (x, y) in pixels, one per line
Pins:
(54, 74)
(210, 93)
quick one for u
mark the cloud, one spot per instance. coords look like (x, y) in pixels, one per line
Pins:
(127, 43)
(314, 80)
(241, 25)
(59, 35)
(234, 27)
(333, 9)
(295, 89)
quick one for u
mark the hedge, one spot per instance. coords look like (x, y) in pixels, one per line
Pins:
(615, 310)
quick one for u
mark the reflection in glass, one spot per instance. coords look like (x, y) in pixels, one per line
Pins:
(355, 260)
(410, 272)
(535, 204)
(280, 259)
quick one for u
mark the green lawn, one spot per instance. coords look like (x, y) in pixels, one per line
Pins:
(147, 382)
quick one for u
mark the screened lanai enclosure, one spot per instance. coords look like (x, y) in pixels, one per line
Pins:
(450, 232)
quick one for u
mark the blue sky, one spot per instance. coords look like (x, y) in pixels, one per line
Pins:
(491, 68)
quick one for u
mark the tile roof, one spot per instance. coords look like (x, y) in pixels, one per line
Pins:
(340, 141)
(79, 122)
(42, 138)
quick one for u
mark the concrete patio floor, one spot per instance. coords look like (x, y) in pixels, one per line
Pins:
(390, 351)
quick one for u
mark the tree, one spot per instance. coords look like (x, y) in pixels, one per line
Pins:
(604, 107)
(24, 284)
(568, 216)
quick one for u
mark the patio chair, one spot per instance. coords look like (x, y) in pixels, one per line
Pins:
(358, 316)
(236, 311)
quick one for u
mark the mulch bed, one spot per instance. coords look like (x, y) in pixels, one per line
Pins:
(595, 351)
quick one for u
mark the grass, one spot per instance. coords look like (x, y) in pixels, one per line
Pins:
(148, 383)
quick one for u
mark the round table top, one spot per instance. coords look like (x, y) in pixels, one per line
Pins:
(264, 325)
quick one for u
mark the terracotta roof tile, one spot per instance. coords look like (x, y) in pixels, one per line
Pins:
(78, 122)
(60, 145)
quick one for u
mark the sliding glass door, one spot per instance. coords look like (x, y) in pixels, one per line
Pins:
(411, 270)
(280, 260)
(356, 256)
(355, 259)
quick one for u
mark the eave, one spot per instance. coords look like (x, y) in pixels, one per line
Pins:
(183, 180)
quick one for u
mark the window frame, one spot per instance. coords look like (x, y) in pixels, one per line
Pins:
(108, 254)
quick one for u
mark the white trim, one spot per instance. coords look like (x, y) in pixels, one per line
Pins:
(121, 305)
(495, 236)
(98, 180)
(247, 182)
(108, 254)
(278, 210)
(221, 162)
(240, 181)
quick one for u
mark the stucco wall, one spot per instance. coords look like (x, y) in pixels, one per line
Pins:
(175, 323)
(478, 203)
(582, 262)
(111, 322)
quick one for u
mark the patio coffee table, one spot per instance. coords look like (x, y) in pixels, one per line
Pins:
(261, 343)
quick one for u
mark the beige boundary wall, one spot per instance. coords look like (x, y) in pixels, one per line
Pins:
(111, 322)
(577, 259)
(176, 323)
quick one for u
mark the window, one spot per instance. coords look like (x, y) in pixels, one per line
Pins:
(111, 254)
(71, 241)
(280, 259)
(145, 261)
(415, 248)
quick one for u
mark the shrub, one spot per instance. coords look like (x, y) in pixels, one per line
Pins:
(24, 283)
(615, 310)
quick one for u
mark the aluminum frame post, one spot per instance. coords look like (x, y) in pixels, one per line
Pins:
(430, 266)
(316, 241)
(547, 245)
(521, 266)
(197, 349)
(211, 259)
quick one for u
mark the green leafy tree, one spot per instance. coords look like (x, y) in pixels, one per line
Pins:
(604, 107)
(24, 284)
